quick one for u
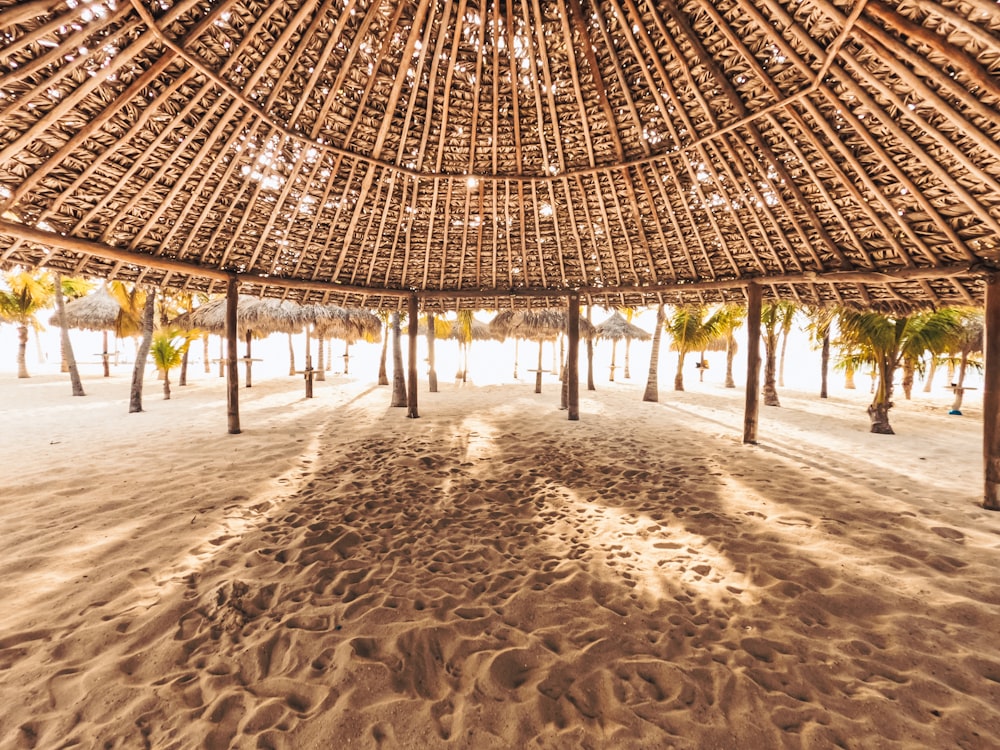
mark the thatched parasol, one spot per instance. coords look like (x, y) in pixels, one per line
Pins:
(350, 325)
(543, 324)
(615, 329)
(255, 316)
(95, 312)
(480, 331)
(98, 311)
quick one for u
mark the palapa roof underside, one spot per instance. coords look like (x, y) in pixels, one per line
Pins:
(495, 153)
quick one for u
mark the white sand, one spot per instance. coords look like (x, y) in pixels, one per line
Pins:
(491, 575)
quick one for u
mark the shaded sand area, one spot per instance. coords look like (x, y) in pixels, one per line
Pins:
(491, 575)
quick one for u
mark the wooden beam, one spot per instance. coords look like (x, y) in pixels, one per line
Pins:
(991, 394)
(411, 393)
(754, 298)
(572, 359)
(232, 371)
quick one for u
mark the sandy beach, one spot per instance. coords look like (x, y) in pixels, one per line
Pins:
(491, 575)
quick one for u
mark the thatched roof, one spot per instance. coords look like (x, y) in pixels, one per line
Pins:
(483, 152)
(262, 316)
(617, 328)
(350, 325)
(97, 311)
(480, 331)
(535, 324)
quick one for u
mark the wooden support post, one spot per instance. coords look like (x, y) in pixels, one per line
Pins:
(248, 358)
(572, 359)
(232, 362)
(991, 394)
(411, 394)
(754, 296)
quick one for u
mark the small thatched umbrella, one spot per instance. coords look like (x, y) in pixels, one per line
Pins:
(98, 311)
(255, 316)
(347, 324)
(615, 329)
(535, 325)
(465, 332)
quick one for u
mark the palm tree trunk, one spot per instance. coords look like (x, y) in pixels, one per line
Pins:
(824, 364)
(291, 355)
(770, 368)
(730, 356)
(222, 356)
(347, 355)
(105, 355)
(465, 361)
(956, 407)
(329, 353)
(383, 376)
(166, 386)
(135, 395)
(702, 362)
(909, 370)
(652, 392)
(679, 375)
(781, 364)
(878, 412)
(183, 378)
(321, 365)
(538, 372)
(849, 377)
(590, 357)
(432, 376)
(22, 349)
(628, 346)
(249, 355)
(204, 342)
(614, 352)
(931, 370)
(398, 376)
(67, 346)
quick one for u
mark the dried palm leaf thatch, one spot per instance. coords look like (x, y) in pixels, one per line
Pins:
(541, 324)
(617, 328)
(336, 322)
(480, 331)
(97, 311)
(260, 316)
(485, 154)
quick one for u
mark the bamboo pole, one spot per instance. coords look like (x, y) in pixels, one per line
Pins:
(753, 363)
(411, 394)
(991, 394)
(572, 359)
(232, 371)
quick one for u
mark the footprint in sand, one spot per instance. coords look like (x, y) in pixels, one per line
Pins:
(945, 533)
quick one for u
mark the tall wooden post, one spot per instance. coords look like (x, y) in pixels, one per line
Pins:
(232, 362)
(432, 376)
(572, 358)
(991, 394)
(249, 338)
(753, 363)
(411, 393)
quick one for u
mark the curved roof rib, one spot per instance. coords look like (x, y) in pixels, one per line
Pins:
(489, 152)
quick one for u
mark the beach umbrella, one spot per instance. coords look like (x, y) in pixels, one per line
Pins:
(465, 332)
(255, 316)
(615, 329)
(542, 324)
(98, 311)
(348, 324)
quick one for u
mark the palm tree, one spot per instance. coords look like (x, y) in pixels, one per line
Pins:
(820, 321)
(885, 342)
(20, 303)
(462, 329)
(69, 360)
(772, 318)
(692, 331)
(652, 392)
(383, 376)
(967, 343)
(168, 349)
(733, 316)
(788, 317)
(398, 377)
(139, 369)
